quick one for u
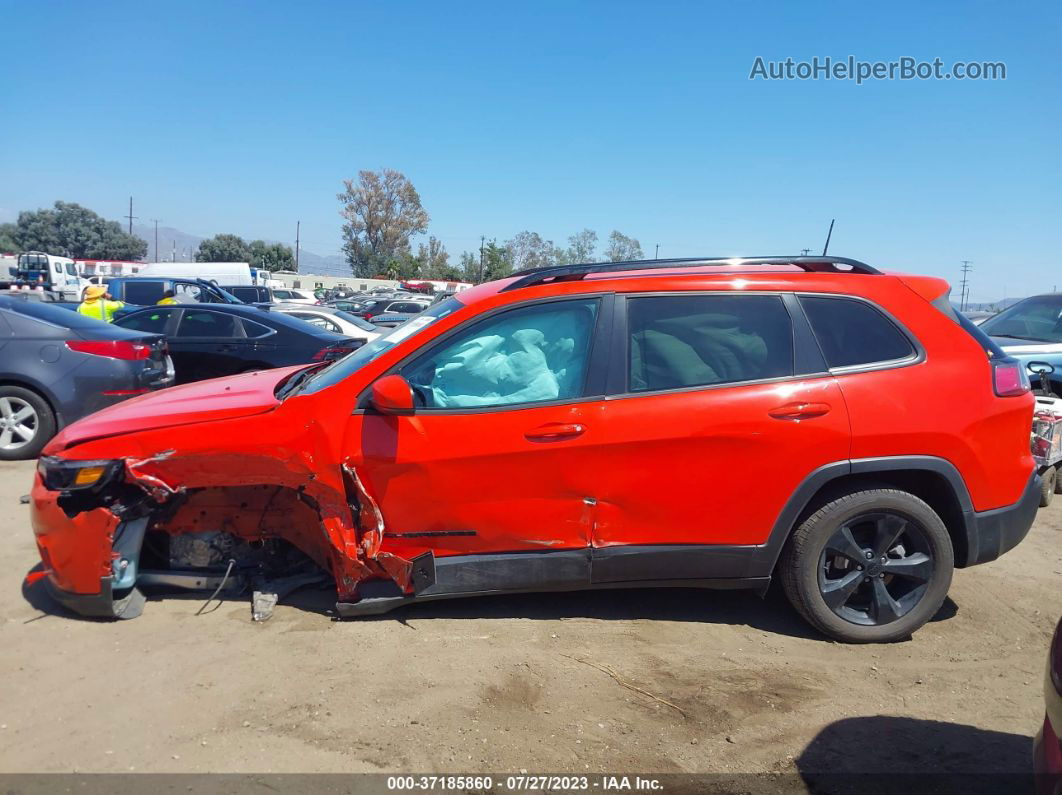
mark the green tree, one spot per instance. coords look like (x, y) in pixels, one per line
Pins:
(581, 248)
(433, 258)
(497, 261)
(382, 211)
(470, 268)
(490, 262)
(70, 230)
(622, 248)
(224, 248)
(271, 256)
(530, 250)
(7, 239)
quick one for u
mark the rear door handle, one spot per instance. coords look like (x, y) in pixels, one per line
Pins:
(799, 411)
(555, 431)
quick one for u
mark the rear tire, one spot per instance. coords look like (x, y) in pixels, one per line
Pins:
(1048, 486)
(868, 567)
(23, 412)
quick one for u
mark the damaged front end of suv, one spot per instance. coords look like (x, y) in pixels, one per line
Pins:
(249, 495)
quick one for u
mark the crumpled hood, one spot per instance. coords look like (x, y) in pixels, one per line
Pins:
(215, 399)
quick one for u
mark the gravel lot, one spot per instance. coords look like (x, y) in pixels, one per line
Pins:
(498, 684)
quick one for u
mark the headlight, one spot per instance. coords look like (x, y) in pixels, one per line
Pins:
(59, 474)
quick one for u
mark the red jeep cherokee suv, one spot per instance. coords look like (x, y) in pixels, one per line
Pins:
(709, 423)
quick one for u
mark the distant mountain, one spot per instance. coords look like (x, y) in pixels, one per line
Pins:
(997, 306)
(175, 245)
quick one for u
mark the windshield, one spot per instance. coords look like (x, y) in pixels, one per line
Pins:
(1037, 319)
(341, 368)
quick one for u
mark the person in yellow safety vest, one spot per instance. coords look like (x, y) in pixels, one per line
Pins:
(168, 298)
(98, 304)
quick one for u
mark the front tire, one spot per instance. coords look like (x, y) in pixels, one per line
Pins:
(869, 567)
(27, 423)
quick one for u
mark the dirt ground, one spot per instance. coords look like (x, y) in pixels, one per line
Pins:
(522, 683)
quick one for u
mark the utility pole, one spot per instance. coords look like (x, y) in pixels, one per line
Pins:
(156, 220)
(657, 254)
(805, 251)
(964, 293)
(298, 227)
(482, 240)
(131, 217)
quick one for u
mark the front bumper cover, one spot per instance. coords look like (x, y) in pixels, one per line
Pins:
(102, 604)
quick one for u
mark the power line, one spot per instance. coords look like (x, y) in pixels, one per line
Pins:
(131, 217)
(964, 292)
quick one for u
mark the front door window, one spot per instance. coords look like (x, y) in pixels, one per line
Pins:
(533, 354)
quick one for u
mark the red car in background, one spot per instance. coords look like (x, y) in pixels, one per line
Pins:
(709, 423)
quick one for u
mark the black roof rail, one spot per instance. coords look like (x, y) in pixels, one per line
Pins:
(568, 273)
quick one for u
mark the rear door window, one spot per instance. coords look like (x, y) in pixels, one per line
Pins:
(852, 332)
(202, 323)
(700, 340)
(152, 321)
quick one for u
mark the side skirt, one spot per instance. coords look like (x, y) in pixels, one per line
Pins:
(459, 576)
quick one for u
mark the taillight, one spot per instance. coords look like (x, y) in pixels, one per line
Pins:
(1009, 378)
(115, 349)
(1056, 659)
(367, 316)
(331, 352)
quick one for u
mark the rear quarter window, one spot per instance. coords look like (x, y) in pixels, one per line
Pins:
(255, 330)
(144, 293)
(853, 333)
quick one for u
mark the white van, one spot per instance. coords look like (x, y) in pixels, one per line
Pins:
(220, 272)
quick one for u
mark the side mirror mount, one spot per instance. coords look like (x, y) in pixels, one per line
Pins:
(392, 394)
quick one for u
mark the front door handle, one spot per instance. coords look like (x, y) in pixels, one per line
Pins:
(555, 431)
(799, 411)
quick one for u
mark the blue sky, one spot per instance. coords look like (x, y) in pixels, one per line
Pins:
(245, 116)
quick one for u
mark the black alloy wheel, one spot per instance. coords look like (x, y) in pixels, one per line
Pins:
(875, 568)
